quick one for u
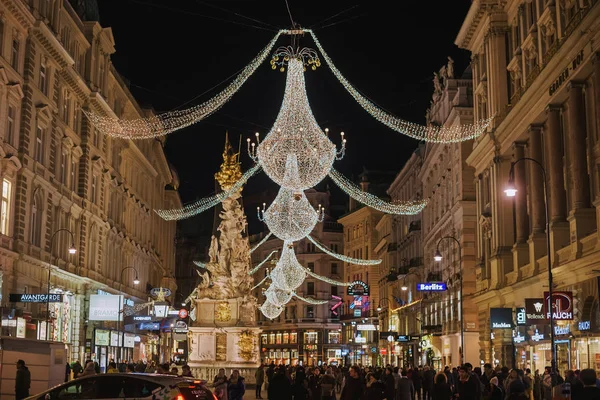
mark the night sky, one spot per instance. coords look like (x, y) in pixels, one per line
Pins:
(173, 51)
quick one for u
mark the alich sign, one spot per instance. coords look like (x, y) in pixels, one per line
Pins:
(358, 288)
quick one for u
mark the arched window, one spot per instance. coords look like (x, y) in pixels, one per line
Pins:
(37, 209)
(93, 250)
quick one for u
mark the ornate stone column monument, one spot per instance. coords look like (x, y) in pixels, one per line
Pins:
(223, 333)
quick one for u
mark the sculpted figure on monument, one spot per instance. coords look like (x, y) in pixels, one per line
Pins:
(437, 87)
(450, 68)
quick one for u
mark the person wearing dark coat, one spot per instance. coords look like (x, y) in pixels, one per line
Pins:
(390, 383)
(259, 376)
(428, 375)
(441, 389)
(279, 386)
(353, 386)
(375, 389)
(466, 385)
(495, 392)
(314, 385)
(405, 389)
(417, 380)
(22, 381)
(590, 391)
(236, 387)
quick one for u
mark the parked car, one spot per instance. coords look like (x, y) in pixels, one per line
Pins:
(129, 386)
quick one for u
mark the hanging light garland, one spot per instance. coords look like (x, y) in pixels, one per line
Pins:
(296, 153)
(310, 300)
(366, 198)
(261, 242)
(434, 134)
(350, 260)
(208, 202)
(136, 308)
(290, 217)
(199, 264)
(262, 281)
(326, 279)
(278, 296)
(162, 124)
(288, 274)
(255, 269)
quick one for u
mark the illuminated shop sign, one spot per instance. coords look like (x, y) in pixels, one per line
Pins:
(358, 288)
(518, 338)
(521, 316)
(431, 287)
(584, 325)
(562, 330)
(537, 336)
(562, 305)
(501, 318)
(35, 298)
(534, 311)
(366, 327)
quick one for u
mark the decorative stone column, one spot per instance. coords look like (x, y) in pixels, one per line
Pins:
(501, 260)
(520, 248)
(503, 346)
(582, 218)
(537, 239)
(496, 68)
(596, 94)
(559, 228)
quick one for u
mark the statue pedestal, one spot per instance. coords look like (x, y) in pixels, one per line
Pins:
(223, 335)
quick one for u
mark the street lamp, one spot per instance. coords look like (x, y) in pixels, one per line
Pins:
(380, 301)
(122, 308)
(511, 191)
(72, 250)
(438, 257)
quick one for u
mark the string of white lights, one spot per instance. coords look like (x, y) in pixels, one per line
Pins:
(288, 274)
(434, 134)
(199, 264)
(404, 208)
(278, 296)
(261, 242)
(136, 308)
(255, 269)
(326, 279)
(162, 124)
(208, 202)
(350, 260)
(296, 153)
(261, 282)
(310, 300)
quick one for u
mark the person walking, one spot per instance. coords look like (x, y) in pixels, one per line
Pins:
(327, 385)
(466, 385)
(112, 368)
(417, 379)
(236, 387)
(405, 389)
(353, 386)
(390, 384)
(590, 391)
(280, 388)
(22, 381)
(441, 389)
(77, 369)
(259, 375)
(90, 369)
(375, 389)
(495, 392)
(67, 372)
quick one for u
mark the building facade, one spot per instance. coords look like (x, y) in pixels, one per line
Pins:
(305, 334)
(65, 184)
(536, 67)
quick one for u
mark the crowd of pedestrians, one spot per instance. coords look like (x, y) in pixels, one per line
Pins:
(423, 383)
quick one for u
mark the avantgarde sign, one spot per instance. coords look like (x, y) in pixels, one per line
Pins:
(35, 298)
(432, 287)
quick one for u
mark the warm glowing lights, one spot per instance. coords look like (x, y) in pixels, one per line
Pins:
(436, 134)
(366, 198)
(288, 274)
(278, 296)
(270, 310)
(350, 260)
(208, 202)
(296, 153)
(162, 124)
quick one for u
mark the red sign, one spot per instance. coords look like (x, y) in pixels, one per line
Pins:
(183, 313)
(383, 351)
(562, 305)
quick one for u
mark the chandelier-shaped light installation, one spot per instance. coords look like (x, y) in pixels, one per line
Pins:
(263, 262)
(208, 202)
(290, 217)
(270, 310)
(434, 134)
(288, 274)
(278, 296)
(296, 153)
(162, 124)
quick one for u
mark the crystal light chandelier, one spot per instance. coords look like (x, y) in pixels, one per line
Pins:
(288, 274)
(270, 310)
(278, 296)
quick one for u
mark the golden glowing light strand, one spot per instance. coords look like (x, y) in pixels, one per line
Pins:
(350, 260)
(310, 300)
(261, 242)
(255, 269)
(208, 202)
(165, 123)
(434, 134)
(411, 207)
(328, 280)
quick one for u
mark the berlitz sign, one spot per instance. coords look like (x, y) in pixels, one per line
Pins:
(35, 298)
(431, 287)
(562, 306)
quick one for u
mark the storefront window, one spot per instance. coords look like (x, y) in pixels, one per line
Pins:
(278, 338)
(272, 338)
(263, 339)
(334, 337)
(294, 338)
(286, 338)
(310, 337)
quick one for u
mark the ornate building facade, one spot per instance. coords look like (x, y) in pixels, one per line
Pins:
(536, 66)
(305, 334)
(60, 175)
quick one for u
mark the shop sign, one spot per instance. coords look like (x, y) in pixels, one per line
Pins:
(149, 326)
(534, 311)
(357, 303)
(562, 305)
(518, 338)
(358, 288)
(360, 339)
(562, 329)
(386, 335)
(366, 327)
(115, 338)
(501, 318)
(432, 287)
(102, 337)
(104, 308)
(584, 325)
(402, 338)
(154, 292)
(180, 327)
(564, 75)
(35, 298)
(357, 312)
(183, 313)
(521, 316)
(129, 340)
(383, 352)
(373, 349)
(537, 336)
